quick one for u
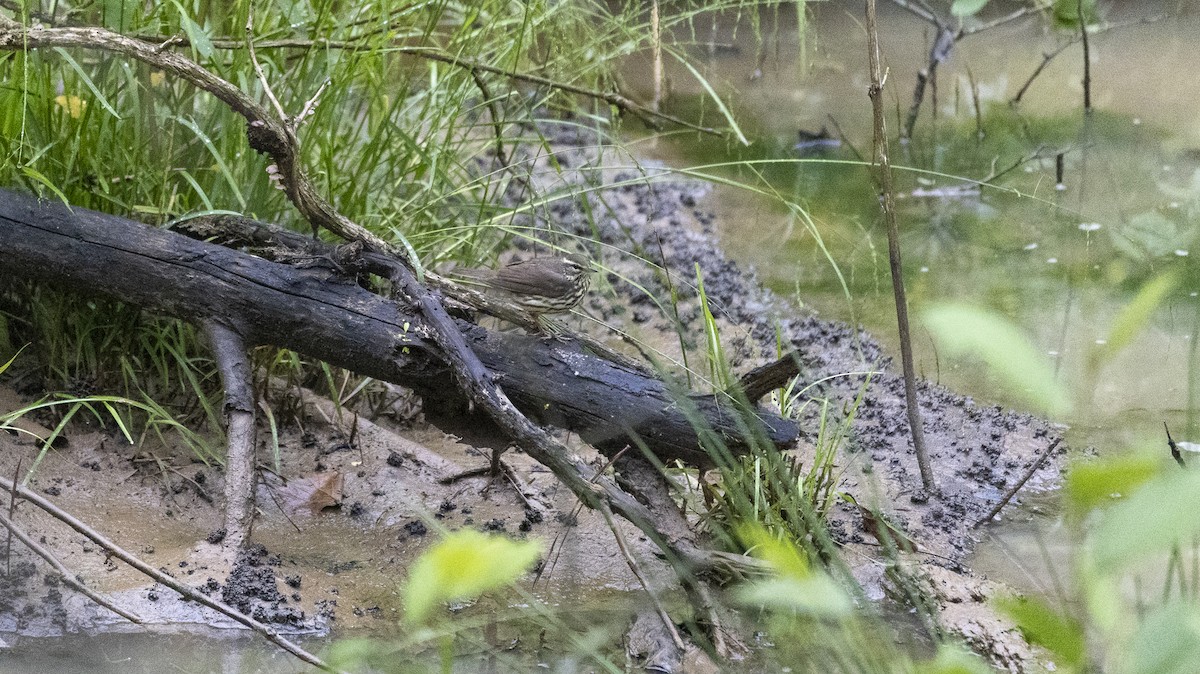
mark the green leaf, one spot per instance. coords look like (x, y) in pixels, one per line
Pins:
(816, 595)
(783, 556)
(952, 659)
(1148, 235)
(1058, 633)
(1066, 13)
(87, 81)
(36, 175)
(197, 38)
(967, 330)
(716, 99)
(1167, 641)
(1092, 483)
(797, 588)
(464, 564)
(10, 360)
(1133, 318)
(967, 7)
(1159, 515)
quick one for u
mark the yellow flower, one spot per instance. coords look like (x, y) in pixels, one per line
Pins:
(74, 105)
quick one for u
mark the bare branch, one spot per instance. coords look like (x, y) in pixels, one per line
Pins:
(884, 173)
(67, 575)
(187, 592)
(1033, 467)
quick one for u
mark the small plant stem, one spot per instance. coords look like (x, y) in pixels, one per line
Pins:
(875, 92)
(656, 45)
(1087, 65)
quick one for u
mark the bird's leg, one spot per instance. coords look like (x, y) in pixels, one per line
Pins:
(495, 473)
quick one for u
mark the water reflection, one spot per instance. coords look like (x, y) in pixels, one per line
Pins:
(1131, 185)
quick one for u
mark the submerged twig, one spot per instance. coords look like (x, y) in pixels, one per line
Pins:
(668, 624)
(66, 574)
(1033, 468)
(185, 591)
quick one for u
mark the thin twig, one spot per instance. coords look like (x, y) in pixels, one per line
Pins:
(494, 111)
(622, 103)
(637, 573)
(1032, 156)
(1008, 18)
(258, 69)
(187, 592)
(1033, 468)
(889, 215)
(310, 106)
(67, 575)
(1087, 59)
(1047, 57)
(12, 511)
(923, 11)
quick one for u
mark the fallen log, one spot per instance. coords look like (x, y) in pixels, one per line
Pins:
(318, 312)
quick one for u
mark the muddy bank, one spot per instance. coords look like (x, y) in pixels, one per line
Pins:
(339, 563)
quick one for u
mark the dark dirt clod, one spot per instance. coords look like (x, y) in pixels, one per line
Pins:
(251, 588)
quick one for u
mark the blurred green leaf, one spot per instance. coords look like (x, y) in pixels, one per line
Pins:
(1058, 633)
(953, 660)
(1167, 641)
(967, 7)
(1092, 483)
(797, 588)
(1148, 235)
(197, 38)
(1066, 13)
(816, 595)
(1159, 515)
(1008, 353)
(1133, 318)
(352, 653)
(783, 556)
(464, 564)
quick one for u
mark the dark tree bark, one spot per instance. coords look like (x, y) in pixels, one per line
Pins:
(317, 312)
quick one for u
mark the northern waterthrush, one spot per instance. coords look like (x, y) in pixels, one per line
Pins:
(541, 285)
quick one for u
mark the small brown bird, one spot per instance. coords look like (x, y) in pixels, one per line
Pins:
(541, 285)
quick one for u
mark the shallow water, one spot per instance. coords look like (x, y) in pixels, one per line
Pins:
(209, 651)
(1060, 264)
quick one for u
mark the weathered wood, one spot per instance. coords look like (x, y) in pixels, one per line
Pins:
(316, 312)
